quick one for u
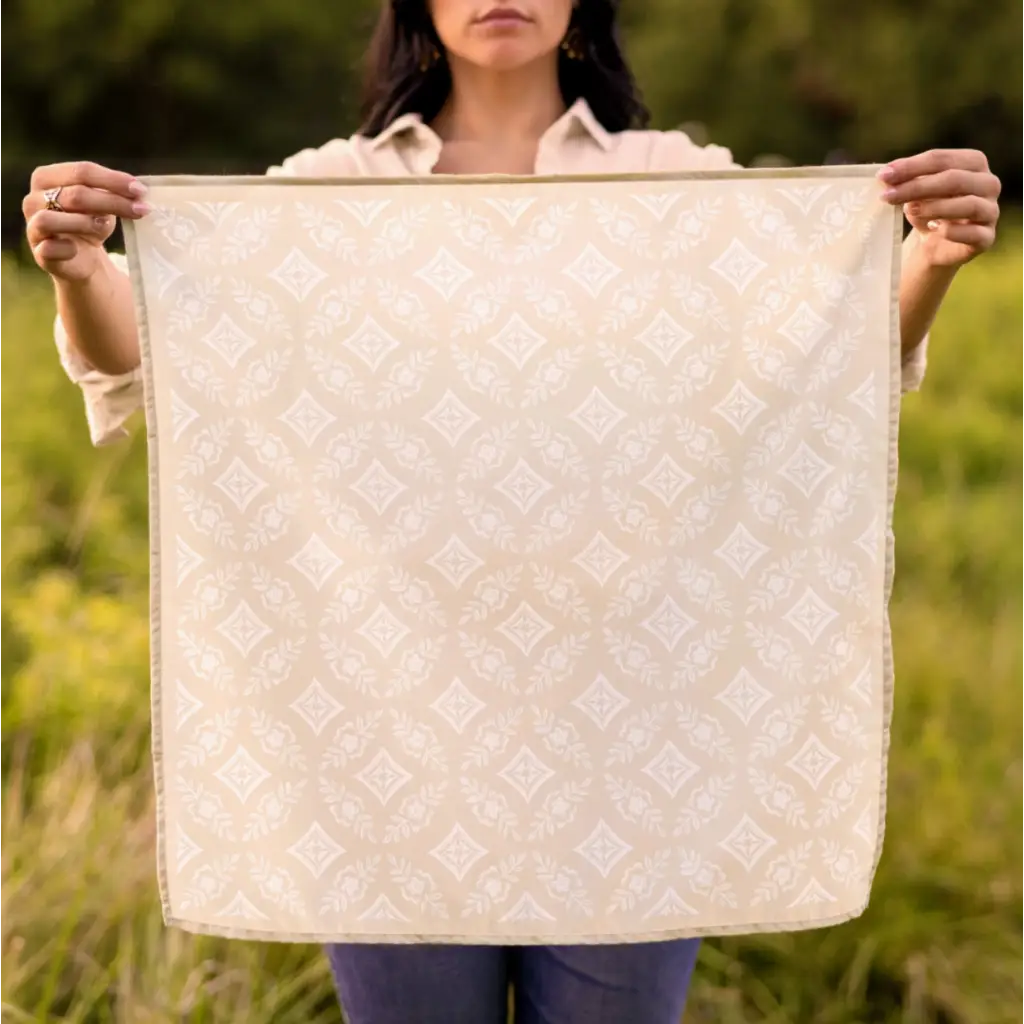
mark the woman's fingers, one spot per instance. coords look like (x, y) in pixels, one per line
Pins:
(933, 162)
(90, 175)
(54, 250)
(82, 199)
(49, 223)
(970, 208)
(86, 188)
(944, 185)
(85, 199)
(977, 236)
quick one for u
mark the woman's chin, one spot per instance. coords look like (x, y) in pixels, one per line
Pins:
(503, 55)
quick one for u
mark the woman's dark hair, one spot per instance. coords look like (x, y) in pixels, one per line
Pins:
(406, 70)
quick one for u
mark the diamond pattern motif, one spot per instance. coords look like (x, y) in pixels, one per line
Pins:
(383, 630)
(664, 336)
(182, 416)
(813, 761)
(805, 470)
(445, 274)
(601, 702)
(515, 578)
(670, 905)
(240, 484)
(741, 551)
(601, 558)
(455, 562)
(451, 418)
(242, 774)
(525, 628)
(738, 265)
(458, 852)
(598, 416)
(242, 908)
(747, 842)
(187, 704)
(517, 341)
(526, 773)
(316, 850)
(316, 707)
(307, 417)
(383, 776)
(297, 274)
(371, 343)
(316, 561)
(670, 769)
(669, 623)
(744, 696)
(667, 480)
(523, 486)
(243, 628)
(804, 328)
(603, 849)
(186, 560)
(592, 270)
(511, 209)
(810, 615)
(527, 908)
(740, 407)
(228, 340)
(185, 850)
(377, 487)
(864, 395)
(457, 706)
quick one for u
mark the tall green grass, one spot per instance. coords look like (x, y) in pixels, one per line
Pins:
(82, 938)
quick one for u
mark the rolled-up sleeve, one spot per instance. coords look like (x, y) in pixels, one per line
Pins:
(676, 151)
(110, 399)
(915, 361)
(332, 160)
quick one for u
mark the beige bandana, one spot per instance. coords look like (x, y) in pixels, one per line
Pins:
(521, 552)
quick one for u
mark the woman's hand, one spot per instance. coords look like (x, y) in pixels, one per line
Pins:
(67, 242)
(951, 199)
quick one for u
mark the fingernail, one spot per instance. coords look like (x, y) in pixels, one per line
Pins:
(141, 209)
(887, 173)
(889, 194)
(933, 225)
(136, 188)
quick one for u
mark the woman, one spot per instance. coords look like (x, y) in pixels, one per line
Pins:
(476, 87)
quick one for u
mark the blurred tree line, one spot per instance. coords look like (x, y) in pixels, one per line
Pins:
(230, 86)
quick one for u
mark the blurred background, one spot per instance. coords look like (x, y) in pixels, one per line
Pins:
(219, 86)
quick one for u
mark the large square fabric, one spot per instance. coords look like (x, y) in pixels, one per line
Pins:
(521, 552)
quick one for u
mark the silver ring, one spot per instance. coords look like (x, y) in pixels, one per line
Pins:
(52, 197)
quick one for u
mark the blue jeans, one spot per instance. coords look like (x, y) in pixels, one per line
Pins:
(643, 983)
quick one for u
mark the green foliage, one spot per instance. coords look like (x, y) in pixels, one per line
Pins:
(874, 79)
(81, 933)
(238, 84)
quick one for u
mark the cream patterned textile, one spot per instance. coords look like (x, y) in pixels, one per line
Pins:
(521, 551)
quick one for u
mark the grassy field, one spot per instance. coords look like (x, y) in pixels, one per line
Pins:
(81, 931)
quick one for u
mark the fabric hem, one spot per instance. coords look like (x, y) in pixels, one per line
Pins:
(888, 664)
(778, 173)
(155, 613)
(490, 939)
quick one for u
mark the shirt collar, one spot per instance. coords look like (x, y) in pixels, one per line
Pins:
(578, 119)
(403, 125)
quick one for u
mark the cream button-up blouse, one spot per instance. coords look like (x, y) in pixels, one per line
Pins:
(575, 144)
